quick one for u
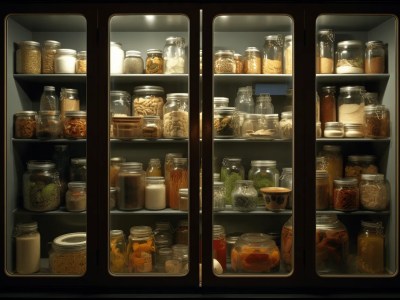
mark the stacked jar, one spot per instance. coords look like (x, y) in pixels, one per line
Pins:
(176, 116)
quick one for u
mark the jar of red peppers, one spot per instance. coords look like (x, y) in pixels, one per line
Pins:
(74, 126)
(219, 245)
(141, 249)
(346, 194)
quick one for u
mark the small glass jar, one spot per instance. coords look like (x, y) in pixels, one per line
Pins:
(333, 163)
(131, 186)
(179, 264)
(377, 122)
(141, 249)
(174, 55)
(78, 170)
(68, 254)
(176, 116)
(120, 105)
(286, 181)
(244, 196)
(374, 57)
(325, 59)
(346, 194)
(220, 102)
(75, 198)
(154, 193)
(350, 57)
(250, 126)
(255, 253)
(184, 199)
(224, 62)
(154, 168)
(49, 50)
(48, 125)
(218, 196)
(152, 127)
(27, 248)
(148, 100)
(334, 130)
(28, 58)
(113, 198)
(353, 130)
(179, 178)
(269, 126)
(231, 171)
(81, 62)
(244, 100)
(226, 122)
(286, 125)
(75, 125)
(264, 104)
(360, 164)
(371, 98)
(351, 105)
(115, 165)
(219, 245)
(69, 101)
(65, 61)
(371, 248)
(239, 63)
(182, 232)
(374, 192)
(162, 256)
(25, 124)
(287, 244)
(126, 128)
(273, 55)
(252, 61)
(327, 105)
(154, 62)
(263, 173)
(49, 99)
(117, 56)
(118, 263)
(321, 190)
(133, 62)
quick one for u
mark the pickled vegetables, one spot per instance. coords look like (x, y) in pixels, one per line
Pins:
(140, 256)
(255, 260)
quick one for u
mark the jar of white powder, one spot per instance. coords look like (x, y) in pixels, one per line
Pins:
(65, 61)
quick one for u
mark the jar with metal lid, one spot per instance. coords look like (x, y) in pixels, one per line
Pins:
(65, 61)
(286, 181)
(176, 116)
(154, 193)
(334, 130)
(371, 98)
(174, 55)
(224, 62)
(117, 56)
(184, 199)
(353, 130)
(351, 105)
(218, 196)
(131, 184)
(371, 248)
(268, 126)
(221, 102)
(178, 179)
(168, 167)
(154, 61)
(325, 60)
(255, 253)
(67, 255)
(273, 55)
(126, 128)
(164, 230)
(162, 256)
(288, 55)
(332, 244)
(244, 196)
(27, 248)
(48, 125)
(75, 198)
(226, 122)
(327, 105)
(154, 168)
(239, 63)
(75, 125)
(141, 249)
(179, 264)
(360, 164)
(69, 101)
(182, 232)
(333, 163)
(219, 245)
(346, 194)
(350, 57)
(49, 49)
(244, 100)
(252, 61)
(28, 58)
(286, 125)
(148, 100)
(78, 170)
(113, 198)
(231, 171)
(321, 190)
(118, 262)
(263, 173)
(133, 62)
(377, 123)
(152, 127)
(374, 192)
(120, 105)
(81, 62)
(250, 125)
(287, 244)
(264, 104)
(115, 164)
(25, 124)
(49, 99)
(374, 57)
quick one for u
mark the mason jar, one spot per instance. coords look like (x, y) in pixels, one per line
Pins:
(154, 61)
(326, 42)
(49, 50)
(176, 116)
(174, 55)
(244, 102)
(288, 55)
(133, 62)
(75, 198)
(334, 130)
(357, 165)
(263, 173)
(238, 58)
(75, 125)
(117, 56)
(65, 61)
(154, 193)
(218, 196)
(221, 102)
(252, 61)
(273, 55)
(346, 194)
(48, 125)
(219, 245)
(25, 124)
(231, 171)
(226, 122)
(351, 105)
(131, 186)
(152, 127)
(115, 165)
(353, 130)
(264, 104)
(224, 62)
(327, 105)
(141, 249)
(374, 192)
(148, 100)
(244, 196)
(81, 62)
(118, 262)
(286, 125)
(28, 58)
(376, 121)
(350, 57)
(27, 248)
(374, 57)
(121, 105)
(250, 126)
(69, 101)
(78, 169)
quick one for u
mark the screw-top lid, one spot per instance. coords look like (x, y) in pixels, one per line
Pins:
(116, 232)
(29, 43)
(347, 181)
(373, 177)
(76, 184)
(70, 242)
(263, 163)
(41, 165)
(140, 231)
(66, 51)
(50, 43)
(134, 53)
(78, 161)
(26, 227)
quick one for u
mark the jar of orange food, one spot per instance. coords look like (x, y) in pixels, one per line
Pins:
(141, 249)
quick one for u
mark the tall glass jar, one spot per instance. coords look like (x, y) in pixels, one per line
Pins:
(117, 56)
(226, 122)
(65, 61)
(374, 57)
(27, 248)
(374, 192)
(131, 186)
(174, 55)
(69, 101)
(351, 105)
(263, 173)
(264, 104)
(118, 262)
(350, 57)
(154, 168)
(81, 62)
(231, 171)
(244, 101)
(75, 198)
(239, 63)
(178, 179)
(115, 165)
(327, 105)
(286, 125)
(224, 62)
(49, 99)
(154, 193)
(326, 42)
(244, 196)
(286, 181)
(376, 121)
(48, 125)
(25, 124)
(49, 50)
(154, 61)
(273, 55)
(321, 190)
(141, 249)
(176, 116)
(78, 169)
(168, 167)
(133, 62)
(219, 245)
(218, 196)
(121, 105)
(346, 194)
(28, 58)
(148, 100)
(252, 61)
(288, 55)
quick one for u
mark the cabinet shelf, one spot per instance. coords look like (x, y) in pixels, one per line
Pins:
(150, 78)
(166, 211)
(58, 212)
(258, 211)
(352, 78)
(352, 140)
(157, 141)
(350, 213)
(252, 140)
(51, 78)
(243, 79)
(56, 141)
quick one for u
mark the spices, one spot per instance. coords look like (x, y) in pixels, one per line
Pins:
(148, 100)
(69, 101)
(75, 198)
(244, 196)
(273, 55)
(118, 262)
(288, 55)
(326, 53)
(346, 194)
(226, 122)
(176, 116)
(218, 196)
(133, 62)
(27, 248)
(374, 192)
(224, 62)
(78, 169)
(174, 55)
(377, 122)
(153, 168)
(351, 105)
(353, 130)
(321, 190)
(131, 186)
(152, 127)
(184, 199)
(81, 63)
(360, 164)
(350, 57)
(374, 57)
(154, 193)
(75, 125)
(334, 130)
(126, 128)
(285, 125)
(239, 63)
(219, 245)
(141, 249)
(276, 198)
(231, 171)
(25, 124)
(154, 62)
(48, 125)
(252, 61)
(327, 105)
(117, 56)
(28, 58)
(49, 50)
(287, 244)
(178, 179)
(65, 61)
(48, 99)
(264, 174)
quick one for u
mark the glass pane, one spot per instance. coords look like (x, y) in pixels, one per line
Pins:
(149, 154)
(46, 145)
(356, 163)
(252, 202)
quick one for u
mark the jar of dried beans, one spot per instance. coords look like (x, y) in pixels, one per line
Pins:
(75, 125)
(49, 50)
(346, 194)
(224, 62)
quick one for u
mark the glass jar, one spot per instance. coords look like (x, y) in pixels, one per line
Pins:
(252, 61)
(184, 199)
(28, 58)
(244, 100)
(152, 127)
(353, 130)
(48, 125)
(226, 122)
(178, 179)
(49, 50)
(239, 63)
(273, 55)
(69, 101)
(117, 56)
(350, 57)
(162, 256)
(263, 173)
(113, 198)
(180, 260)
(141, 249)
(332, 245)
(371, 248)
(118, 263)
(231, 171)
(325, 60)
(351, 105)
(286, 181)
(25, 124)
(371, 98)
(176, 116)
(244, 196)
(321, 190)
(287, 244)
(374, 57)
(49, 99)
(154, 193)
(264, 104)
(154, 62)
(168, 167)
(334, 130)
(174, 55)
(224, 62)
(133, 62)
(68, 254)
(120, 105)
(65, 61)
(126, 128)
(377, 122)
(288, 55)
(220, 102)
(286, 125)
(154, 168)
(218, 196)
(327, 105)
(182, 232)
(250, 125)
(75, 198)
(115, 165)
(131, 186)
(231, 239)
(219, 245)
(360, 164)
(346, 194)
(81, 62)
(333, 164)
(163, 231)
(255, 253)
(75, 125)
(148, 100)
(27, 248)
(269, 126)
(374, 192)
(78, 170)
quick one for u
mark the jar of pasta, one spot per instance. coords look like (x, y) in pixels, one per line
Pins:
(154, 62)
(346, 194)
(176, 116)
(377, 121)
(25, 124)
(374, 57)
(374, 192)
(28, 58)
(74, 125)
(252, 61)
(118, 263)
(49, 50)
(224, 62)
(273, 55)
(141, 249)
(360, 164)
(148, 100)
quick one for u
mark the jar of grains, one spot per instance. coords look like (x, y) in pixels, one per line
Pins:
(174, 55)
(141, 249)
(133, 62)
(49, 50)
(288, 55)
(350, 57)
(148, 100)
(239, 63)
(325, 60)
(78, 169)
(219, 245)
(226, 122)
(75, 198)
(65, 61)
(176, 116)
(374, 192)
(69, 101)
(131, 184)
(75, 124)
(360, 164)
(346, 194)
(273, 55)
(224, 62)
(28, 58)
(118, 262)
(154, 62)
(25, 124)
(252, 61)
(27, 248)
(117, 56)
(353, 130)
(321, 190)
(81, 62)
(178, 179)
(263, 173)
(154, 193)
(377, 121)
(374, 57)
(244, 196)
(351, 105)
(48, 125)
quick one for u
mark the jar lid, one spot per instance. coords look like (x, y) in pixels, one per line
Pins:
(224, 109)
(66, 51)
(180, 160)
(288, 37)
(118, 44)
(373, 177)
(326, 221)
(372, 108)
(218, 229)
(75, 113)
(374, 43)
(273, 37)
(49, 88)
(41, 165)
(374, 225)
(74, 91)
(78, 161)
(257, 238)
(252, 116)
(175, 39)
(350, 43)
(70, 241)
(225, 52)
(218, 183)
(233, 159)
(77, 184)
(117, 159)
(221, 100)
(361, 158)
(237, 55)
(184, 192)
(134, 53)
(51, 43)
(165, 251)
(231, 238)
(154, 51)
(183, 96)
(140, 230)
(148, 89)
(252, 49)
(321, 174)
(82, 53)
(353, 126)
(119, 94)
(329, 89)
(263, 163)
(334, 124)
(129, 119)
(29, 43)
(116, 232)
(26, 227)
(347, 181)
(49, 113)
(172, 155)
(350, 89)
(131, 166)
(155, 179)
(26, 113)
(271, 116)
(151, 117)
(286, 114)
(333, 148)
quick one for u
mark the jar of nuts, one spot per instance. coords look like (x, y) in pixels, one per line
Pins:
(224, 62)
(75, 124)
(149, 100)
(25, 124)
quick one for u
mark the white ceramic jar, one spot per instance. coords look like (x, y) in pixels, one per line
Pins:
(65, 61)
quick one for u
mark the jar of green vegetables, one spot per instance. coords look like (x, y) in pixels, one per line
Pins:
(264, 174)
(231, 171)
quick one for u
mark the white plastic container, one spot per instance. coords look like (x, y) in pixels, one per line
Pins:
(117, 56)
(65, 61)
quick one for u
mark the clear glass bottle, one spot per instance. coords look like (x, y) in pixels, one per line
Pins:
(154, 168)
(224, 62)
(252, 61)
(231, 171)
(81, 62)
(327, 105)
(321, 190)
(179, 178)
(115, 165)
(121, 105)
(350, 57)
(174, 55)
(176, 116)
(28, 58)
(244, 196)
(154, 61)
(48, 125)
(49, 99)
(273, 55)
(263, 173)
(25, 124)
(374, 57)
(218, 196)
(118, 262)
(286, 125)
(226, 122)
(133, 62)
(141, 249)
(286, 181)
(346, 194)
(374, 192)
(351, 105)
(75, 198)
(27, 248)
(244, 101)
(78, 169)
(75, 125)
(117, 56)
(184, 199)
(131, 186)
(69, 101)
(65, 61)
(154, 193)
(376, 121)
(264, 104)
(219, 245)
(287, 244)
(326, 42)
(148, 100)
(49, 50)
